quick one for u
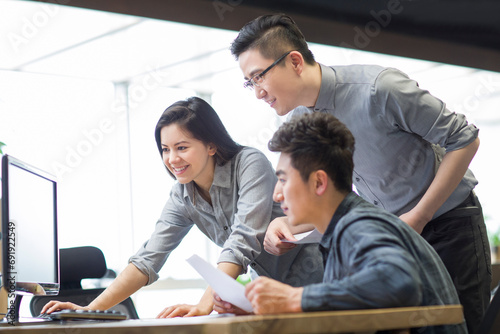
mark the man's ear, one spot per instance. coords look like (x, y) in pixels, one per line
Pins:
(297, 61)
(320, 179)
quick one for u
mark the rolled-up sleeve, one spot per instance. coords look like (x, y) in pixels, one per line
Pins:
(170, 229)
(414, 110)
(253, 188)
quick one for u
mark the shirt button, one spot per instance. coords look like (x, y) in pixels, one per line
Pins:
(357, 179)
(375, 202)
(225, 228)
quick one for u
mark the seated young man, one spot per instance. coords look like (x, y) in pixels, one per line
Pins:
(372, 258)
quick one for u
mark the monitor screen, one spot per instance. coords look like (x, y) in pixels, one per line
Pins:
(30, 252)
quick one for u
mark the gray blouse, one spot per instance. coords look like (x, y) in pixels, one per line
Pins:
(242, 208)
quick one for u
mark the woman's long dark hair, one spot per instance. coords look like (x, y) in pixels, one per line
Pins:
(200, 119)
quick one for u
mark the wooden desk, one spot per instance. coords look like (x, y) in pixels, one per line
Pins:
(362, 321)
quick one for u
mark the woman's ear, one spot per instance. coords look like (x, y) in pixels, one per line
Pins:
(212, 149)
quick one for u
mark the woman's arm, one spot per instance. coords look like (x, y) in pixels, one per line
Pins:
(129, 281)
(206, 304)
(255, 180)
(145, 264)
(255, 209)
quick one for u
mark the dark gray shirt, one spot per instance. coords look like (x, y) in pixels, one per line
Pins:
(401, 134)
(375, 260)
(242, 208)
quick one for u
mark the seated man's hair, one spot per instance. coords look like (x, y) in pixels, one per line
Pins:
(317, 141)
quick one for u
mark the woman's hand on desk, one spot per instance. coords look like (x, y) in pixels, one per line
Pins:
(182, 310)
(55, 305)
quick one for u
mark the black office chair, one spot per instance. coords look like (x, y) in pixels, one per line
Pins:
(491, 321)
(76, 264)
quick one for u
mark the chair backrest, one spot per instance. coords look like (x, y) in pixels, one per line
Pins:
(76, 264)
(491, 321)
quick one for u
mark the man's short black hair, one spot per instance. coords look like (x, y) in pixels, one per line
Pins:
(317, 141)
(272, 35)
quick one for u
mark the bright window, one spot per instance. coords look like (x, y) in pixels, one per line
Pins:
(81, 101)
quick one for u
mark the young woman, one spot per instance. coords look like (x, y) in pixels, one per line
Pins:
(226, 191)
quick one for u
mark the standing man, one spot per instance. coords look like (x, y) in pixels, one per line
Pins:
(412, 154)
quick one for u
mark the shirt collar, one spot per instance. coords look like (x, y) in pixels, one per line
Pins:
(344, 207)
(326, 97)
(222, 178)
(222, 175)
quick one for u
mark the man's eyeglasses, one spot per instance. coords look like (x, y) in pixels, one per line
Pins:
(257, 79)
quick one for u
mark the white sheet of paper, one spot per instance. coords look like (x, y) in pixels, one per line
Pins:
(309, 237)
(225, 286)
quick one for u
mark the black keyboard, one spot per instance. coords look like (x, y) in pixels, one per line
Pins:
(84, 314)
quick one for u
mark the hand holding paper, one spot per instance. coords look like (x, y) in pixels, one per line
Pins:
(225, 286)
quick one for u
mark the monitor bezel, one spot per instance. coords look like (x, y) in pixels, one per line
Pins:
(13, 285)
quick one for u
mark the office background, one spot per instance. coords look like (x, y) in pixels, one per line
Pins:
(81, 91)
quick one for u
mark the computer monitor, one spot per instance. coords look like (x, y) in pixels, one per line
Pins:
(30, 253)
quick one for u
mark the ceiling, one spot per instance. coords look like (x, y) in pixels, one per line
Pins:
(459, 32)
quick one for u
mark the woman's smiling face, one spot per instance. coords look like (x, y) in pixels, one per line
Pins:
(186, 157)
